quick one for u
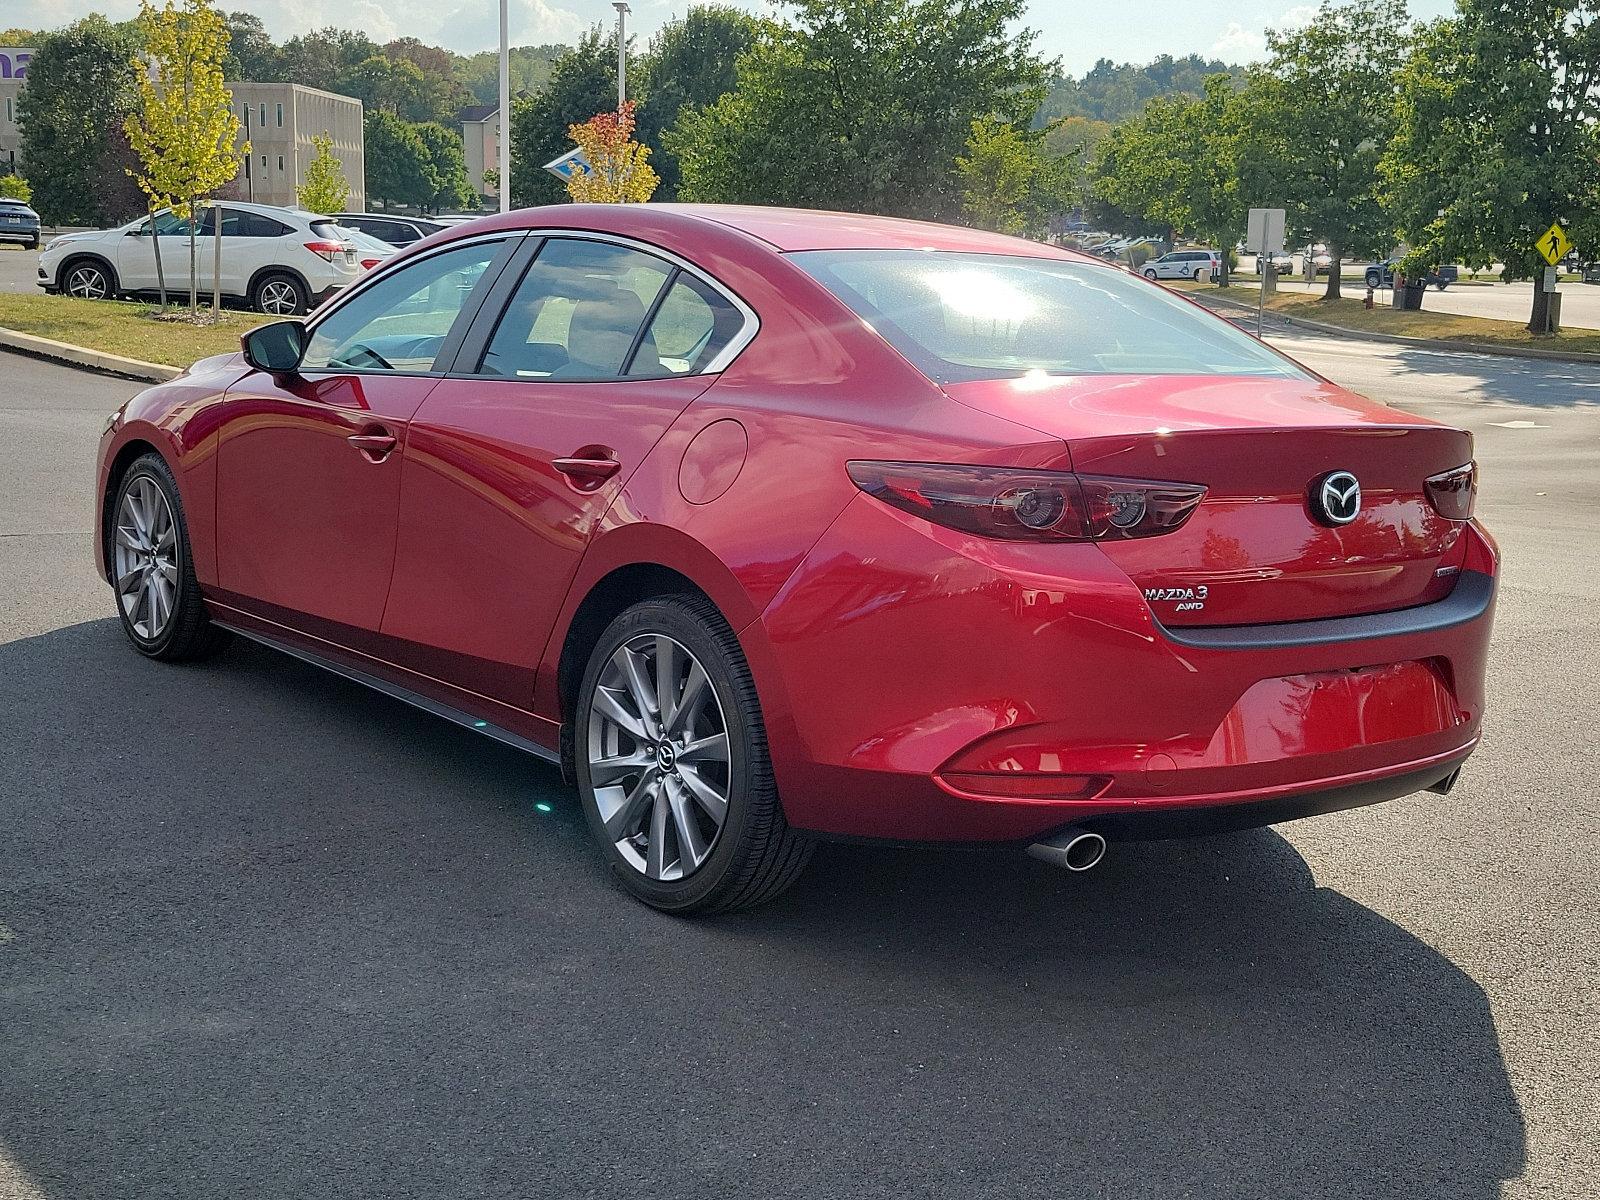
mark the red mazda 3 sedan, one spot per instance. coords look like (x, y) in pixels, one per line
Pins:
(771, 525)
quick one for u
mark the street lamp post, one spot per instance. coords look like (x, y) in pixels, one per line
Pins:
(622, 51)
(503, 120)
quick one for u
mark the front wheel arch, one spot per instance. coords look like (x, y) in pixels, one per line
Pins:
(113, 284)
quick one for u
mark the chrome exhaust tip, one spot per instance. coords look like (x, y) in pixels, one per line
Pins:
(1073, 849)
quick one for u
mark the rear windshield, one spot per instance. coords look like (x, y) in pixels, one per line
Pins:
(961, 317)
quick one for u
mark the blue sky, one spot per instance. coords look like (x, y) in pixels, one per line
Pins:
(1076, 31)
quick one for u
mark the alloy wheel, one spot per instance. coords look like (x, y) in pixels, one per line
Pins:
(279, 297)
(146, 558)
(87, 283)
(658, 757)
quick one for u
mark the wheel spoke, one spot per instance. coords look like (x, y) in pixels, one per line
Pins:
(128, 537)
(608, 770)
(167, 571)
(666, 682)
(708, 797)
(134, 575)
(655, 864)
(694, 688)
(623, 822)
(644, 695)
(711, 748)
(610, 705)
(692, 848)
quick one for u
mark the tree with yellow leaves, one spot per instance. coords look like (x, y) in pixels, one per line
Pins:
(184, 129)
(619, 171)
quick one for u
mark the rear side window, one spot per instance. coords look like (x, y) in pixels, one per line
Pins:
(578, 314)
(961, 317)
(328, 231)
(691, 326)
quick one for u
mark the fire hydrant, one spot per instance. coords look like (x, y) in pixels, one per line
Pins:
(1367, 302)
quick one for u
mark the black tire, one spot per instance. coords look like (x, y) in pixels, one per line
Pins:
(756, 855)
(266, 291)
(1374, 280)
(1149, 274)
(77, 279)
(1443, 283)
(1198, 273)
(189, 633)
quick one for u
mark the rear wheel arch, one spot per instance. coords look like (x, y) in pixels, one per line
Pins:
(267, 272)
(609, 597)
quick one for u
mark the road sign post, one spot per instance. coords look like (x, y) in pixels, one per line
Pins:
(1553, 245)
(1264, 235)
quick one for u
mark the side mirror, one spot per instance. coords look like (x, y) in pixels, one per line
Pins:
(136, 231)
(276, 348)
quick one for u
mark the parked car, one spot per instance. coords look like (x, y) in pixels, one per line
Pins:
(1282, 262)
(1591, 272)
(773, 526)
(387, 227)
(19, 223)
(370, 251)
(1381, 274)
(1184, 264)
(277, 260)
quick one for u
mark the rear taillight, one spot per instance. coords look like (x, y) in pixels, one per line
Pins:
(325, 250)
(1453, 493)
(1026, 505)
(368, 263)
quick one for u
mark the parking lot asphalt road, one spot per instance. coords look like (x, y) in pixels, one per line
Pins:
(19, 269)
(1580, 303)
(264, 933)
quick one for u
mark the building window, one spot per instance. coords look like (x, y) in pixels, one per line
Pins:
(280, 116)
(280, 162)
(263, 161)
(263, 114)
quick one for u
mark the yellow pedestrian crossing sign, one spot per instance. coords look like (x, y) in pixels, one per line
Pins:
(1553, 243)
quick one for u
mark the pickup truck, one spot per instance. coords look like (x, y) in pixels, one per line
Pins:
(1381, 274)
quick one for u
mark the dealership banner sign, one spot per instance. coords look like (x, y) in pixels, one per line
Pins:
(14, 62)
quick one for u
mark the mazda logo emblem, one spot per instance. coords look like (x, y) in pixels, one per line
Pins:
(1336, 498)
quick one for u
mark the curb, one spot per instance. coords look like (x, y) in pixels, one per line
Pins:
(80, 356)
(1453, 347)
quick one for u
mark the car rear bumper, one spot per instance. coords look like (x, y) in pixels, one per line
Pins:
(930, 687)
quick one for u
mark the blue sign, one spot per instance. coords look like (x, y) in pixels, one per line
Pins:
(573, 162)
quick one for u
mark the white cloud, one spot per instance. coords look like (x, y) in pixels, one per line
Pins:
(1238, 44)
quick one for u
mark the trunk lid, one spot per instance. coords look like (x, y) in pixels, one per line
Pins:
(1257, 550)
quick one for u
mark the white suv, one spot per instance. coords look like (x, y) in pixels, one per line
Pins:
(278, 260)
(1184, 264)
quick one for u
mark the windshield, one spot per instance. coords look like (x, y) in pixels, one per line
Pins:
(961, 317)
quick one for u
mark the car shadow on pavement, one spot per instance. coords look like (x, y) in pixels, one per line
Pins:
(264, 933)
(1534, 383)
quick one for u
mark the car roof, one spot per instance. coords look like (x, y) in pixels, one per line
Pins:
(795, 229)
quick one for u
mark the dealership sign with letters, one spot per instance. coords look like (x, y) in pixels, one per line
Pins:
(14, 62)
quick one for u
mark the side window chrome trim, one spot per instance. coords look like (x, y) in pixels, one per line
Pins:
(736, 344)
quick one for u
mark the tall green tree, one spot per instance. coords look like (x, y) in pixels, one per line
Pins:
(582, 85)
(863, 106)
(1011, 182)
(1496, 136)
(81, 86)
(399, 167)
(1324, 111)
(325, 190)
(447, 158)
(318, 59)
(692, 62)
(252, 54)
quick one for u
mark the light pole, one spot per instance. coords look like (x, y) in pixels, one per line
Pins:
(622, 51)
(503, 120)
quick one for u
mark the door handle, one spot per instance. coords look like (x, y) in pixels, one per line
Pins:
(586, 474)
(375, 447)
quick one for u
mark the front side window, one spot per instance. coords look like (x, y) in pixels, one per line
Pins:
(961, 317)
(578, 313)
(401, 322)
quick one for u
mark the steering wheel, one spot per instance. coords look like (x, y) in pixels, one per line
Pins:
(362, 356)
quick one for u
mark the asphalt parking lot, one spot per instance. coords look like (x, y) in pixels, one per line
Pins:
(264, 933)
